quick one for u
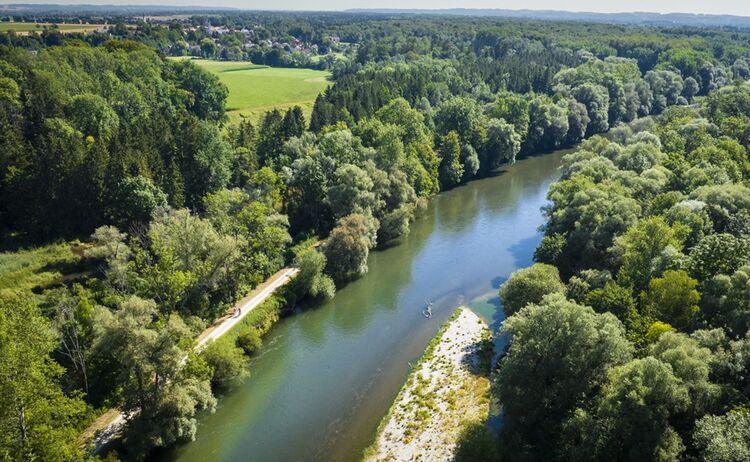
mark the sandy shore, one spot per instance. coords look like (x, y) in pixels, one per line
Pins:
(447, 389)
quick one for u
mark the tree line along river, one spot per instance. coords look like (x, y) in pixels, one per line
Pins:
(326, 376)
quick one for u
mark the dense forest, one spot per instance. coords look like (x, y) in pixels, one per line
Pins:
(180, 213)
(630, 336)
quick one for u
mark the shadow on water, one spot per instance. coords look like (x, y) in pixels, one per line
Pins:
(326, 376)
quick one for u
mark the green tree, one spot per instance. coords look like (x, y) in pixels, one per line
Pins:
(503, 144)
(451, 169)
(162, 397)
(311, 280)
(718, 254)
(37, 420)
(673, 298)
(186, 265)
(571, 348)
(347, 248)
(641, 247)
(351, 192)
(630, 421)
(135, 200)
(228, 362)
(724, 438)
(529, 285)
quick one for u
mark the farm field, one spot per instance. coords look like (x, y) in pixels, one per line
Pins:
(255, 89)
(26, 27)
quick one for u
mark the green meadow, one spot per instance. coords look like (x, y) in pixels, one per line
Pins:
(25, 27)
(255, 89)
(39, 268)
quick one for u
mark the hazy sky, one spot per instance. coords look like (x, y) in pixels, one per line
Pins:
(738, 7)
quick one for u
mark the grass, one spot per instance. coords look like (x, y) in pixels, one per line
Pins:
(255, 89)
(24, 27)
(38, 268)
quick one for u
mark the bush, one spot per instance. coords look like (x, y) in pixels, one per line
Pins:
(249, 341)
(227, 361)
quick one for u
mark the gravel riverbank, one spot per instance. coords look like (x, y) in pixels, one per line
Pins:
(447, 389)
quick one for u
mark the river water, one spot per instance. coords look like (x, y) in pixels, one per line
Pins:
(326, 376)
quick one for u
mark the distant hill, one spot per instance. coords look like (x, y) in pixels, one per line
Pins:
(654, 19)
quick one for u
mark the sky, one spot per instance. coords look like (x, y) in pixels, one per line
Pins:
(736, 7)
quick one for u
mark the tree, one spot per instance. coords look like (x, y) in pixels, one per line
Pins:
(578, 121)
(726, 301)
(724, 438)
(91, 115)
(463, 116)
(596, 100)
(186, 265)
(559, 354)
(476, 444)
(451, 170)
(529, 285)
(227, 361)
(395, 224)
(666, 87)
(347, 248)
(630, 421)
(109, 246)
(673, 298)
(351, 192)
(642, 245)
(614, 299)
(135, 201)
(590, 216)
(37, 420)
(717, 254)
(690, 89)
(308, 204)
(514, 109)
(311, 281)
(469, 161)
(208, 94)
(161, 397)
(503, 144)
(692, 364)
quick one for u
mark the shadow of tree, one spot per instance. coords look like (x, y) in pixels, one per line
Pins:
(478, 357)
(476, 443)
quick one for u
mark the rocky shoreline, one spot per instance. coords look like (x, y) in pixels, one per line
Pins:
(446, 390)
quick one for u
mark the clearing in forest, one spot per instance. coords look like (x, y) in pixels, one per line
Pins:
(255, 89)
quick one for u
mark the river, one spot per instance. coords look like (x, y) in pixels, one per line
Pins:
(326, 376)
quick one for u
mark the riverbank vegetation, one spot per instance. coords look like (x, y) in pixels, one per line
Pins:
(636, 348)
(181, 212)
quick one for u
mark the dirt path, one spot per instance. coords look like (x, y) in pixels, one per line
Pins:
(108, 426)
(447, 388)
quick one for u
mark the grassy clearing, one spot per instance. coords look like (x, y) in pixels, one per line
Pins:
(38, 268)
(255, 89)
(26, 27)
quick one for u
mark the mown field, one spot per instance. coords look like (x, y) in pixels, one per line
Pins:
(25, 27)
(255, 89)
